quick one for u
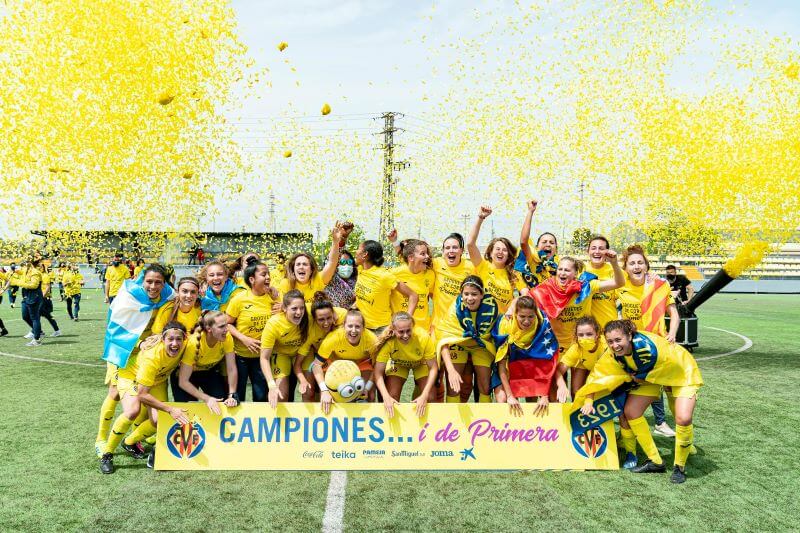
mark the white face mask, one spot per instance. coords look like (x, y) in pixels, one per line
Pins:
(345, 271)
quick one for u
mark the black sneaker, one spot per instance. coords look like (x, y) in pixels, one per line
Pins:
(151, 459)
(135, 450)
(4, 332)
(649, 467)
(678, 475)
(107, 463)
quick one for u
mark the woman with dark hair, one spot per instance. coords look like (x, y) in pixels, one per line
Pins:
(496, 266)
(542, 264)
(248, 313)
(324, 317)
(281, 339)
(604, 304)
(375, 285)
(29, 279)
(302, 272)
(341, 290)
(416, 273)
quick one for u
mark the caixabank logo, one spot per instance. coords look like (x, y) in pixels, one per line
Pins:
(186, 441)
(591, 444)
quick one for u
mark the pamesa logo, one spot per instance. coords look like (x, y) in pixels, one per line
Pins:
(591, 444)
(186, 441)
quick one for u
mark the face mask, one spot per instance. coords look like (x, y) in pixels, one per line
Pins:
(586, 344)
(115, 263)
(345, 271)
(671, 278)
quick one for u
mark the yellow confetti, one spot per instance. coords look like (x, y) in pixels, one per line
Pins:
(283, 45)
(287, 153)
(326, 109)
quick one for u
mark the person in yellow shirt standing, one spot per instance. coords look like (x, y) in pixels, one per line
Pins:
(29, 279)
(417, 274)
(46, 311)
(144, 381)
(73, 282)
(537, 266)
(116, 273)
(604, 304)
(3, 286)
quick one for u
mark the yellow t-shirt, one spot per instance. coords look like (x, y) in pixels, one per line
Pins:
(314, 285)
(373, 291)
(72, 283)
(137, 270)
(115, 275)
(281, 335)
(604, 304)
(496, 283)
(251, 313)
(419, 348)
(564, 324)
(152, 366)
(189, 320)
(316, 334)
(29, 277)
(422, 284)
(447, 286)
(206, 357)
(577, 357)
(336, 346)
(629, 299)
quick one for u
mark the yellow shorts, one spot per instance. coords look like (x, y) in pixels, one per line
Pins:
(685, 391)
(647, 389)
(111, 374)
(420, 371)
(129, 387)
(480, 356)
(281, 365)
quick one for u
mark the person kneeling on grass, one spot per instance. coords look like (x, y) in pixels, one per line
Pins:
(144, 381)
(403, 348)
(652, 362)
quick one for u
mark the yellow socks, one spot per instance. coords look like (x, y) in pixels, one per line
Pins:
(141, 417)
(121, 426)
(628, 440)
(144, 430)
(684, 437)
(106, 417)
(641, 429)
(484, 398)
(452, 399)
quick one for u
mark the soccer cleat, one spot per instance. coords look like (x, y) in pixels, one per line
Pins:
(34, 342)
(99, 448)
(56, 333)
(649, 467)
(29, 335)
(151, 459)
(630, 461)
(135, 450)
(107, 463)
(664, 430)
(678, 475)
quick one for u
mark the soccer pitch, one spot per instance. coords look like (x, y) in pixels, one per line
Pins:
(744, 476)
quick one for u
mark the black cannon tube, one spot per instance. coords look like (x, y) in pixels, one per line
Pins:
(710, 288)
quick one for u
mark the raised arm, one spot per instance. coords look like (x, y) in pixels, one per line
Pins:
(619, 276)
(525, 234)
(472, 239)
(338, 239)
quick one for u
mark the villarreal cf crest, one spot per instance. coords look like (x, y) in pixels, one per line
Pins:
(591, 444)
(187, 440)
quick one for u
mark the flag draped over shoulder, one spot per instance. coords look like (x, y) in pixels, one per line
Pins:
(532, 355)
(460, 328)
(552, 297)
(544, 268)
(654, 305)
(212, 302)
(128, 317)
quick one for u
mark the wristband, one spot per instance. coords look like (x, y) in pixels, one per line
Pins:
(323, 387)
(369, 385)
(234, 395)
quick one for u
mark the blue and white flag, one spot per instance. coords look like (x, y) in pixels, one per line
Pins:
(212, 302)
(128, 316)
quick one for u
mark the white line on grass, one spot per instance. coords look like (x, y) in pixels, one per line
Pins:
(41, 360)
(746, 346)
(333, 520)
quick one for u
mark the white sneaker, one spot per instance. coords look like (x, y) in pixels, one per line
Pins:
(56, 333)
(664, 430)
(34, 342)
(29, 335)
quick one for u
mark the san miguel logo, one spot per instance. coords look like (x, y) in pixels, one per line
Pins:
(591, 444)
(186, 441)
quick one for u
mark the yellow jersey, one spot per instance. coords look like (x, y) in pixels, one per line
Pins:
(281, 335)
(447, 286)
(420, 348)
(629, 302)
(316, 334)
(336, 346)
(151, 367)
(115, 276)
(201, 356)
(164, 313)
(314, 285)
(29, 277)
(72, 283)
(137, 270)
(564, 324)
(496, 283)
(604, 304)
(422, 284)
(373, 292)
(251, 313)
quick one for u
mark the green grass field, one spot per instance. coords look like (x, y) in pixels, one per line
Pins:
(745, 477)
